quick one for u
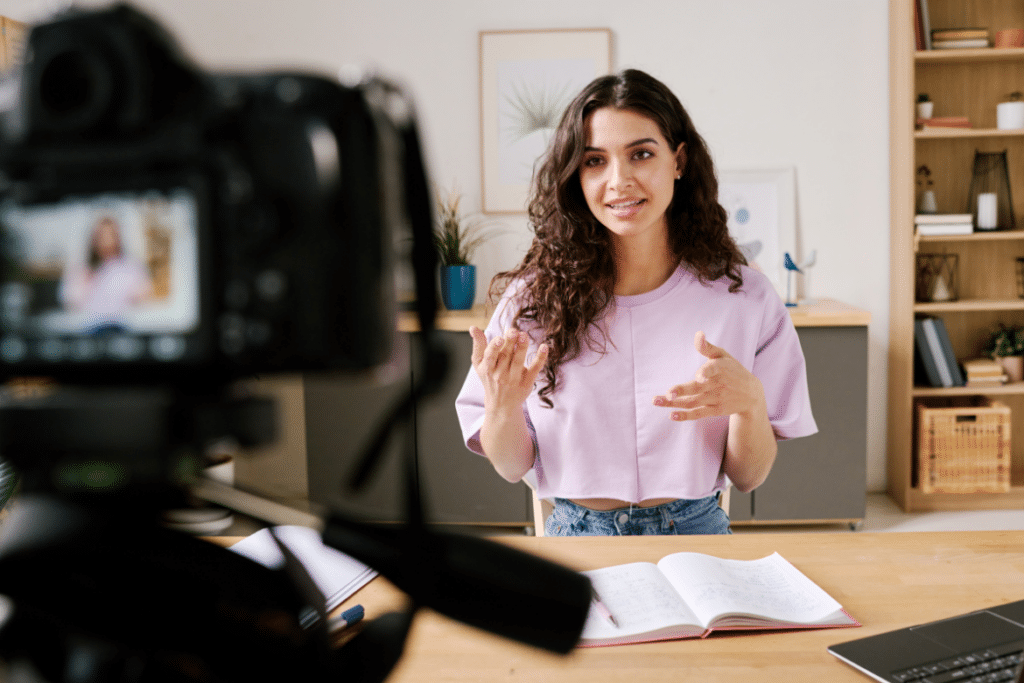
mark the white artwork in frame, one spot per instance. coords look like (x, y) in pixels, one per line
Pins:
(761, 205)
(527, 78)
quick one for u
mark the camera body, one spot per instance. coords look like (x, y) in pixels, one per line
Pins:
(164, 224)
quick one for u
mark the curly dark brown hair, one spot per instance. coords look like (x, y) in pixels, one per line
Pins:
(568, 274)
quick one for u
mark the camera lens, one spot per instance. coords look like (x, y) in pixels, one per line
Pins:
(74, 90)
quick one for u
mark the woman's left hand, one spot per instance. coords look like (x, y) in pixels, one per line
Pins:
(722, 386)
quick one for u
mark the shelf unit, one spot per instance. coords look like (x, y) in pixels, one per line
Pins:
(966, 83)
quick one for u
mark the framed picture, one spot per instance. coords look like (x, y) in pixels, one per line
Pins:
(762, 217)
(527, 78)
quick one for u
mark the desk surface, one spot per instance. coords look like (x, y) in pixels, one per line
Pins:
(821, 313)
(885, 581)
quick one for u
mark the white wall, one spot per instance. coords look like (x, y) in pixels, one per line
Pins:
(800, 83)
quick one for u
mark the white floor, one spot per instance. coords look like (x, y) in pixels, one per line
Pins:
(883, 515)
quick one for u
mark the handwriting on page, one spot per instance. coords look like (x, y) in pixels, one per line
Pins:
(640, 598)
(769, 587)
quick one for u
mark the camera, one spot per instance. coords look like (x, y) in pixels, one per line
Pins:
(161, 223)
(165, 231)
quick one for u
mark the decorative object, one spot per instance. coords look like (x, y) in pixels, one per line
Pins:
(926, 203)
(1010, 37)
(761, 208)
(527, 78)
(925, 107)
(1006, 346)
(1010, 114)
(990, 189)
(791, 268)
(937, 277)
(457, 238)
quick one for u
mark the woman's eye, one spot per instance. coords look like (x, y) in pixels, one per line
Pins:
(643, 154)
(592, 161)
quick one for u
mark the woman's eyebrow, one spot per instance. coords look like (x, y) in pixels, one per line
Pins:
(635, 143)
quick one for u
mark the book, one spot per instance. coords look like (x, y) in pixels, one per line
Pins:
(956, 376)
(691, 595)
(935, 351)
(932, 229)
(336, 575)
(926, 25)
(944, 122)
(960, 44)
(982, 367)
(931, 218)
(960, 34)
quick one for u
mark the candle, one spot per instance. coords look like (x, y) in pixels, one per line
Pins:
(987, 211)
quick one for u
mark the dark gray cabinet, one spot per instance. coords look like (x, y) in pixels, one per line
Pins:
(457, 486)
(821, 478)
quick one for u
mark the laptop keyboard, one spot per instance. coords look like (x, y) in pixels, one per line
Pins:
(991, 665)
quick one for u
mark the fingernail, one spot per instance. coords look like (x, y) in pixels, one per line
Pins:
(659, 401)
(498, 341)
(678, 417)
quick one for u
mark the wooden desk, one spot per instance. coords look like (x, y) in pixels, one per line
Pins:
(885, 581)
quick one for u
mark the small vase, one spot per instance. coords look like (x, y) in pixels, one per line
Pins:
(927, 203)
(458, 287)
(1013, 366)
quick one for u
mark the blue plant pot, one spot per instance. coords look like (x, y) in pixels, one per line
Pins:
(458, 287)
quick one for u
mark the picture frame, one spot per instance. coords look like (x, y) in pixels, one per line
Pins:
(527, 78)
(761, 205)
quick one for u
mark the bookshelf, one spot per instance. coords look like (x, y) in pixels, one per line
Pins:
(965, 82)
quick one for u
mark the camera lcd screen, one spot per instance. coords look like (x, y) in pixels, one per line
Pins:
(105, 278)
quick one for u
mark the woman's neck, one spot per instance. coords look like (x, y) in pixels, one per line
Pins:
(640, 269)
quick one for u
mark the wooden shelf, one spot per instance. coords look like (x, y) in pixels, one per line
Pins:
(986, 54)
(969, 83)
(993, 236)
(970, 305)
(1011, 389)
(957, 133)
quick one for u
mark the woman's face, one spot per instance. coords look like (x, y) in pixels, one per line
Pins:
(628, 172)
(107, 240)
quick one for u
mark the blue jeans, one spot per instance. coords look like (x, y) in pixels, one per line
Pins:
(702, 516)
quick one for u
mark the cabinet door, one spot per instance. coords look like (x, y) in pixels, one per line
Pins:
(459, 486)
(341, 414)
(823, 476)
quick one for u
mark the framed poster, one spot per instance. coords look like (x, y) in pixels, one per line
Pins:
(762, 217)
(527, 78)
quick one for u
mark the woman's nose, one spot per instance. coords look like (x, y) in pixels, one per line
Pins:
(620, 175)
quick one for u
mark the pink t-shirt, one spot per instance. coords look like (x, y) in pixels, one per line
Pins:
(605, 438)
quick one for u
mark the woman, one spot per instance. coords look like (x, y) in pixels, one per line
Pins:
(665, 367)
(110, 284)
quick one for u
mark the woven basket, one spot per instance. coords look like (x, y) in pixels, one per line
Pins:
(964, 449)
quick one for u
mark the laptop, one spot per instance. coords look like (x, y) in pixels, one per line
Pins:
(981, 647)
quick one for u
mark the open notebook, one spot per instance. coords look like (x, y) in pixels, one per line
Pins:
(336, 575)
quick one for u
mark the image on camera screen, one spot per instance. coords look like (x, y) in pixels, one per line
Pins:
(87, 270)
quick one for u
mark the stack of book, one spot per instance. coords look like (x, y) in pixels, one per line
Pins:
(959, 38)
(984, 372)
(934, 354)
(944, 224)
(944, 122)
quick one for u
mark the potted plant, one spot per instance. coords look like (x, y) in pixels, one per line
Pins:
(1007, 347)
(925, 106)
(457, 238)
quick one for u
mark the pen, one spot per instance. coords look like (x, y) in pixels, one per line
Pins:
(347, 618)
(602, 609)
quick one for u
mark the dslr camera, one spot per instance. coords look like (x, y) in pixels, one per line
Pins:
(164, 224)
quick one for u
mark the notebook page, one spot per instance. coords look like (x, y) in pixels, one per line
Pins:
(639, 597)
(770, 587)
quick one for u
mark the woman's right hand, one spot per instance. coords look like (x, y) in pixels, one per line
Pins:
(503, 369)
